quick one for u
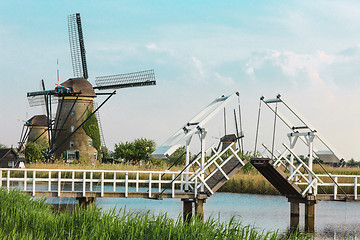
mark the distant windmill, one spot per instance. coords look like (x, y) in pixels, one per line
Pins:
(74, 132)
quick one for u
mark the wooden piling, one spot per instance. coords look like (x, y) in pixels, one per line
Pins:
(310, 216)
(199, 208)
(85, 202)
(294, 216)
(187, 210)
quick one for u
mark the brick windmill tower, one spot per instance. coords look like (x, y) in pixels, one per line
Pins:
(74, 133)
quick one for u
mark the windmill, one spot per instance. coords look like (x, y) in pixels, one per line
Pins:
(74, 132)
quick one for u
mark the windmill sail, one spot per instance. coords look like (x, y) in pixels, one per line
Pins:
(40, 100)
(77, 47)
(126, 80)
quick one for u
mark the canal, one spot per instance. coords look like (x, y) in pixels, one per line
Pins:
(333, 220)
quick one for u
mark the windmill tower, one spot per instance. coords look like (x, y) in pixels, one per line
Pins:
(37, 128)
(74, 133)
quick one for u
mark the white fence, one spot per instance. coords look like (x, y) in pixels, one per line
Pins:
(102, 181)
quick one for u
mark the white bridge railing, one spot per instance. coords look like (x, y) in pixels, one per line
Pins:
(295, 171)
(100, 181)
(335, 182)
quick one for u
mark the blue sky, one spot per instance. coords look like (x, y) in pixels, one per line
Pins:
(307, 51)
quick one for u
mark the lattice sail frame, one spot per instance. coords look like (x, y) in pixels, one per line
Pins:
(35, 101)
(77, 47)
(134, 79)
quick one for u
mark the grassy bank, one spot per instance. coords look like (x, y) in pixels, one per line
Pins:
(22, 217)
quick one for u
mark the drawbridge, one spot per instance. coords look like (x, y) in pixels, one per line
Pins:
(295, 176)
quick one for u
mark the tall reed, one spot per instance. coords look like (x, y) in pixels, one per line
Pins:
(22, 217)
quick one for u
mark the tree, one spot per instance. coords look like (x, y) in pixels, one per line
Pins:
(136, 150)
(34, 151)
(142, 148)
(179, 156)
(3, 146)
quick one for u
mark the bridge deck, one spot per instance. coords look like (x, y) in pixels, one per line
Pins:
(145, 195)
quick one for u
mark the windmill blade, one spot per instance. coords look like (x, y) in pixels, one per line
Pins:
(37, 98)
(77, 47)
(135, 79)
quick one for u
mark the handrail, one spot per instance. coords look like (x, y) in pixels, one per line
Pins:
(85, 184)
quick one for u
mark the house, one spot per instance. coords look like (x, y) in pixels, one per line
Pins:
(8, 157)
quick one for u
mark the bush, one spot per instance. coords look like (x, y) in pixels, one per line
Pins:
(139, 149)
(34, 152)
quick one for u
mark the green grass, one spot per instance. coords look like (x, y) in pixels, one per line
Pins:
(22, 217)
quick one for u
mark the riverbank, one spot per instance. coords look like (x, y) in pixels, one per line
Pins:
(247, 180)
(22, 217)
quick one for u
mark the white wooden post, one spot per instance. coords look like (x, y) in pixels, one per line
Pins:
(137, 181)
(196, 187)
(202, 164)
(335, 187)
(187, 160)
(114, 186)
(25, 180)
(91, 181)
(355, 188)
(34, 182)
(73, 181)
(173, 187)
(293, 140)
(102, 184)
(126, 184)
(150, 178)
(84, 183)
(8, 180)
(159, 182)
(59, 183)
(49, 183)
(310, 140)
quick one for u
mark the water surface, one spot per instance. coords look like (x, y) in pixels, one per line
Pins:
(335, 220)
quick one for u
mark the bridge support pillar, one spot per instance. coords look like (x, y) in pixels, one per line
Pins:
(199, 208)
(187, 210)
(84, 202)
(294, 215)
(310, 216)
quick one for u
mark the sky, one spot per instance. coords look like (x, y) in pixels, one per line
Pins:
(307, 51)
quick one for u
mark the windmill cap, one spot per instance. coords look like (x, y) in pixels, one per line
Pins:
(38, 120)
(80, 84)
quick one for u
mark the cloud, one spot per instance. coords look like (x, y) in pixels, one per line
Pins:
(223, 79)
(151, 46)
(198, 66)
(287, 65)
